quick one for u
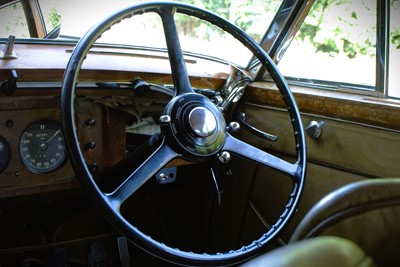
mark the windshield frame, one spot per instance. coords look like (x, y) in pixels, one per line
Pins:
(37, 31)
(280, 33)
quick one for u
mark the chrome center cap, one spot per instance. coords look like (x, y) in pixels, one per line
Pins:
(202, 121)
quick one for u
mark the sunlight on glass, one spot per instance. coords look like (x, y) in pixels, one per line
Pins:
(195, 36)
(77, 17)
(210, 40)
(139, 30)
(394, 56)
(12, 21)
(51, 13)
(336, 43)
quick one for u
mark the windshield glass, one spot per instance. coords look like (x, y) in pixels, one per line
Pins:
(77, 17)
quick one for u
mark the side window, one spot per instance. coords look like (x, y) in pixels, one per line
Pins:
(336, 43)
(336, 47)
(51, 14)
(394, 50)
(12, 20)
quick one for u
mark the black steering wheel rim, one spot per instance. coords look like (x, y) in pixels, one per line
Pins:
(109, 205)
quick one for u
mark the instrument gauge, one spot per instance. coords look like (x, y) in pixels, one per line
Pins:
(4, 154)
(42, 147)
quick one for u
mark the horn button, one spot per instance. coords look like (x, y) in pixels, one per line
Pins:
(197, 127)
(202, 121)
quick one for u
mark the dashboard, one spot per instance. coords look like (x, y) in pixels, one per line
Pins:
(33, 156)
(33, 151)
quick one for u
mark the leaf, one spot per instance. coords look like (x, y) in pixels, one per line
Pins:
(354, 15)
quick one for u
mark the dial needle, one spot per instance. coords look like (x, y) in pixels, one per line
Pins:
(57, 132)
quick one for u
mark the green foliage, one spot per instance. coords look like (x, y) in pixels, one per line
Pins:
(54, 17)
(328, 47)
(395, 37)
(14, 22)
(395, 33)
(341, 27)
(249, 15)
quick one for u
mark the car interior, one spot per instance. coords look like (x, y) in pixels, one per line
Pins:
(124, 154)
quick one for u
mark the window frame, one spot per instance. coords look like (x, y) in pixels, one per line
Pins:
(33, 16)
(288, 30)
(382, 48)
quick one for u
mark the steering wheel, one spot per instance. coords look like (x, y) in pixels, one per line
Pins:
(192, 127)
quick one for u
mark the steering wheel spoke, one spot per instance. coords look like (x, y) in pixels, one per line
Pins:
(155, 162)
(262, 157)
(192, 127)
(178, 67)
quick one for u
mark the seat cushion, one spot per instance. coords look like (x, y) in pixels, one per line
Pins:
(366, 212)
(324, 251)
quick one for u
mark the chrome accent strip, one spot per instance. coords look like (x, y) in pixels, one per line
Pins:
(281, 32)
(382, 47)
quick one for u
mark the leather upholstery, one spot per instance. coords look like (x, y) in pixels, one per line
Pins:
(325, 251)
(366, 212)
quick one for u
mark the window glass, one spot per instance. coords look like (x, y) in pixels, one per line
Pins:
(12, 21)
(51, 13)
(77, 17)
(195, 35)
(253, 16)
(394, 55)
(336, 43)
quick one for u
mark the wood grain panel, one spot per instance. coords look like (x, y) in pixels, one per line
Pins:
(16, 114)
(16, 179)
(45, 62)
(345, 106)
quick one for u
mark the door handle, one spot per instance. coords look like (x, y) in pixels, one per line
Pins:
(251, 129)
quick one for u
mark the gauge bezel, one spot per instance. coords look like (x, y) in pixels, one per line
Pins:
(7, 151)
(39, 128)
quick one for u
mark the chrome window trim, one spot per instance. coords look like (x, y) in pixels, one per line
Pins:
(281, 32)
(382, 47)
(283, 29)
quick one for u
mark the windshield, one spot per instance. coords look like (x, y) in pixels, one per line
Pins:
(77, 17)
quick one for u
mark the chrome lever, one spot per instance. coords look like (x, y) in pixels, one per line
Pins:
(259, 133)
(217, 186)
(234, 87)
(8, 52)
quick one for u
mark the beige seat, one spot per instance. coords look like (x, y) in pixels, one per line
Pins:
(327, 251)
(366, 212)
(361, 217)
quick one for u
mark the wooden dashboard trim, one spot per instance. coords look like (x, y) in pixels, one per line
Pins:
(367, 110)
(47, 62)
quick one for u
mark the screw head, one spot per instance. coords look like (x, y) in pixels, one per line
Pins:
(234, 126)
(164, 119)
(224, 157)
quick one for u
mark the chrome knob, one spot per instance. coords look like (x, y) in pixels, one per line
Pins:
(165, 119)
(233, 127)
(314, 129)
(202, 121)
(224, 157)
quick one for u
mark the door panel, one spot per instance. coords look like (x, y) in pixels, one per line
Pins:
(350, 147)
(345, 152)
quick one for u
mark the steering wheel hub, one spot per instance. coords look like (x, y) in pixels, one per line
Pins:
(197, 126)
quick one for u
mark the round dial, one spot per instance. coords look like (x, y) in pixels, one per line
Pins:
(42, 146)
(4, 154)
